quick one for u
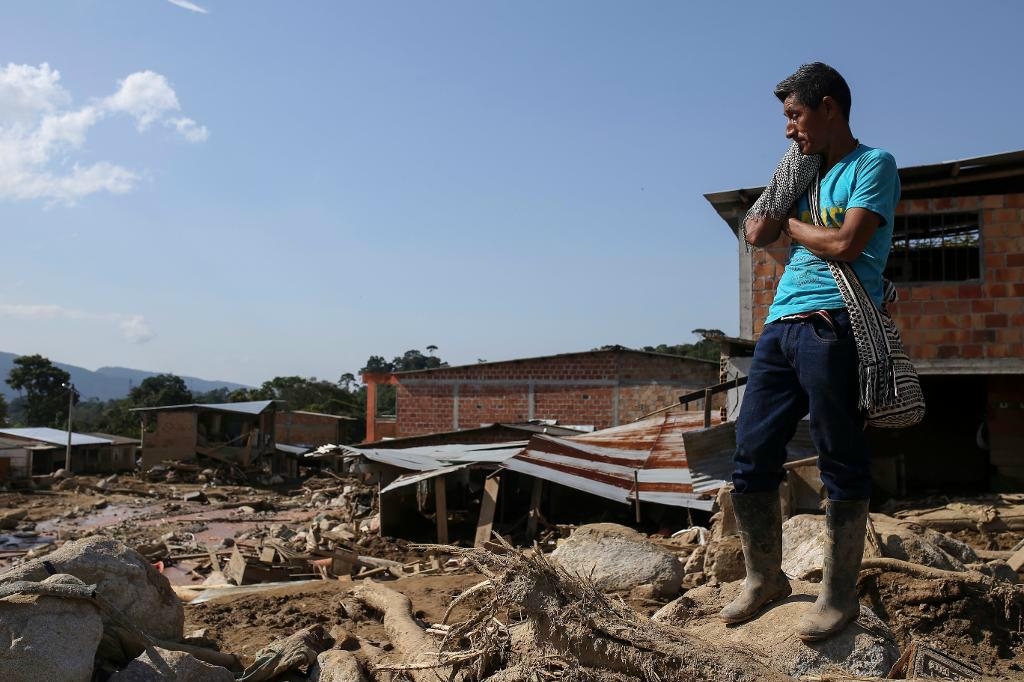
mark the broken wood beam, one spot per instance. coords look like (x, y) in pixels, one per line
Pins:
(534, 515)
(441, 508)
(488, 503)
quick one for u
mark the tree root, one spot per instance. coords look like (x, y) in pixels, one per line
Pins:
(584, 628)
(928, 572)
(411, 641)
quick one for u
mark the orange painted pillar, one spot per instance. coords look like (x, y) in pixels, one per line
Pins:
(371, 410)
(372, 379)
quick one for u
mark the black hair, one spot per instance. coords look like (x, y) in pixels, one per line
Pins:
(811, 83)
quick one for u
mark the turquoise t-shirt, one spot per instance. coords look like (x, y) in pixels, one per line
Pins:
(865, 178)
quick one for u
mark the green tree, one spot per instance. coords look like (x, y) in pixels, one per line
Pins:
(43, 387)
(160, 390)
(3, 410)
(216, 395)
(409, 361)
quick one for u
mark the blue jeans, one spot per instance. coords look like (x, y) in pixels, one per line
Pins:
(803, 367)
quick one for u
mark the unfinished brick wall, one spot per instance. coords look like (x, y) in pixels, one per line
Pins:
(174, 438)
(975, 319)
(306, 428)
(600, 388)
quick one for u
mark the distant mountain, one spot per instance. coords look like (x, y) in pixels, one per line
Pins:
(107, 383)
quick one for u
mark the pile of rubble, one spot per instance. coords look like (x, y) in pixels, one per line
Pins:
(139, 579)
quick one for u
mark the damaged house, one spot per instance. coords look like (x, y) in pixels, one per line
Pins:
(233, 433)
(958, 262)
(44, 450)
(656, 470)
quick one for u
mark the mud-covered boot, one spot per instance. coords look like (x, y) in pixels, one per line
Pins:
(759, 518)
(837, 602)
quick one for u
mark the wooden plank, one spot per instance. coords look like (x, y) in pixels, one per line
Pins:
(235, 569)
(534, 517)
(488, 503)
(441, 507)
(214, 562)
(1017, 560)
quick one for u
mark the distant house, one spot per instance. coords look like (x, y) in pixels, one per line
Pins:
(234, 433)
(313, 429)
(958, 262)
(15, 459)
(596, 389)
(90, 453)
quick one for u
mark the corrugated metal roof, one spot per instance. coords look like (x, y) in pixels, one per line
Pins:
(409, 479)
(54, 436)
(432, 457)
(604, 463)
(252, 408)
(474, 435)
(115, 439)
(321, 414)
(292, 449)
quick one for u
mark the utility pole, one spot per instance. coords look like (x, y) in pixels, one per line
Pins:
(71, 403)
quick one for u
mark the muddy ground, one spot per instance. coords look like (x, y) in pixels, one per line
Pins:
(984, 627)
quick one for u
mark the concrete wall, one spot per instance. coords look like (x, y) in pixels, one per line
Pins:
(599, 389)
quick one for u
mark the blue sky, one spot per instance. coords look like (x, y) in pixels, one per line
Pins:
(277, 188)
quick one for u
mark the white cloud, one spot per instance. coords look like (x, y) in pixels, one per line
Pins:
(190, 130)
(27, 91)
(134, 328)
(145, 95)
(39, 132)
(188, 5)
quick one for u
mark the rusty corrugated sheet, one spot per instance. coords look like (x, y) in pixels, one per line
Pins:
(650, 455)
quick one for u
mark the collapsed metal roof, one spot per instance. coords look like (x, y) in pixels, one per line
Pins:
(251, 408)
(653, 460)
(427, 458)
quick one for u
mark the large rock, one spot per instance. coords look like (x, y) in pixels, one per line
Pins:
(866, 648)
(161, 665)
(121, 575)
(43, 639)
(803, 535)
(619, 558)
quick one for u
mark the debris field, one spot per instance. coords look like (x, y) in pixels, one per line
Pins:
(196, 573)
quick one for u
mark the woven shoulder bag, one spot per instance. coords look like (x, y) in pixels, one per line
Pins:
(890, 390)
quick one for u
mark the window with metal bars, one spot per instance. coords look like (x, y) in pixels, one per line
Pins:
(935, 247)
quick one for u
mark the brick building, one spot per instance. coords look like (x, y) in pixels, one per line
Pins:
(313, 429)
(958, 262)
(596, 389)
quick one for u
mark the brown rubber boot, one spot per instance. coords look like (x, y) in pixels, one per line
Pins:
(837, 603)
(759, 517)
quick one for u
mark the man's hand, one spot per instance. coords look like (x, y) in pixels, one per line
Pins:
(844, 243)
(762, 230)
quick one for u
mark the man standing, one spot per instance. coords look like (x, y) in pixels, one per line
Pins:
(805, 362)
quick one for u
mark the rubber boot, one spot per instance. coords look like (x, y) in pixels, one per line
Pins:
(837, 603)
(759, 518)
